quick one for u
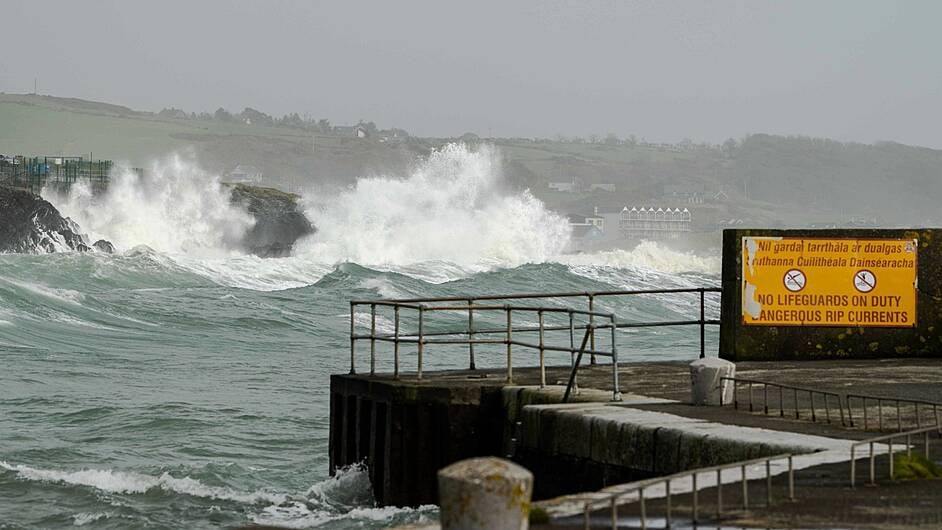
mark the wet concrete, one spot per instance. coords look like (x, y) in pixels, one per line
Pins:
(824, 500)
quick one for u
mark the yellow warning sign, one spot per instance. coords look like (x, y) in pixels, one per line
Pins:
(829, 282)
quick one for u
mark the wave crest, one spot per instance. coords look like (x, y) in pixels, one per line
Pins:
(177, 208)
(453, 207)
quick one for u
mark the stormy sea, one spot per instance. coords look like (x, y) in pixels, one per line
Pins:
(179, 383)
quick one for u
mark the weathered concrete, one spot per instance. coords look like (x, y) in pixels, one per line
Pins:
(739, 342)
(406, 430)
(485, 494)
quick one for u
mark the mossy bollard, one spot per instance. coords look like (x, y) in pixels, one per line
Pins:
(485, 494)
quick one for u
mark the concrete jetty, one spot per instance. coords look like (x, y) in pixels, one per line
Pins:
(834, 334)
(405, 430)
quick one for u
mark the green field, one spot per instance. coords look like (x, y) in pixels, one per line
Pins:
(762, 180)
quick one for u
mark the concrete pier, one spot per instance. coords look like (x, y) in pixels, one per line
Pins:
(405, 430)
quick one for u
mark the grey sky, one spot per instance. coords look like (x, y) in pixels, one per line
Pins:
(849, 70)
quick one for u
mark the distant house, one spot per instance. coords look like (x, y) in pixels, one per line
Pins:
(684, 194)
(654, 224)
(351, 131)
(603, 186)
(587, 225)
(566, 187)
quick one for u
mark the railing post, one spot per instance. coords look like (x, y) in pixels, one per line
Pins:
(667, 515)
(585, 516)
(614, 513)
(880, 414)
(372, 339)
(572, 348)
(745, 489)
(353, 368)
(616, 395)
(791, 478)
(719, 493)
(765, 398)
(768, 483)
(396, 346)
(592, 327)
(471, 334)
(421, 340)
(644, 515)
(781, 402)
(510, 366)
(873, 478)
(850, 410)
(853, 467)
(542, 352)
(890, 454)
(797, 416)
(696, 504)
(814, 418)
(702, 327)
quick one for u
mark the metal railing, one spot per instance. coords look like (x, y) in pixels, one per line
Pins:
(899, 402)
(843, 403)
(638, 488)
(33, 173)
(470, 307)
(794, 392)
(925, 431)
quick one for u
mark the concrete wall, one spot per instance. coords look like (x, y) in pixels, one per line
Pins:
(591, 445)
(405, 432)
(739, 342)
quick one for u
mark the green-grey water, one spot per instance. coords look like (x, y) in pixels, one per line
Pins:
(176, 384)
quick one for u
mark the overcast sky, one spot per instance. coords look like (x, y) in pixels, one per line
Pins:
(850, 70)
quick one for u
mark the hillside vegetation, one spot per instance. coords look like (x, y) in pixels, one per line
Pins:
(760, 180)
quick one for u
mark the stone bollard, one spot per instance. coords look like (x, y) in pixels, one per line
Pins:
(706, 386)
(485, 494)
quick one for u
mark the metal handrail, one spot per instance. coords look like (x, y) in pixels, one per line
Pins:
(899, 401)
(471, 335)
(736, 381)
(525, 296)
(638, 488)
(843, 401)
(889, 438)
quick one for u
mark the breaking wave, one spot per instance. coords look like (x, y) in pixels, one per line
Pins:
(176, 208)
(454, 207)
(451, 217)
(347, 495)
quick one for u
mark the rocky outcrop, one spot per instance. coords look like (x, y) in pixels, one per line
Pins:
(104, 246)
(28, 223)
(279, 222)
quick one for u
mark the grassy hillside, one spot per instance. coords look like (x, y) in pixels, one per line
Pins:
(762, 180)
(43, 125)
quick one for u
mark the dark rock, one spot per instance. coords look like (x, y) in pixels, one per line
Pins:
(29, 223)
(279, 223)
(104, 246)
